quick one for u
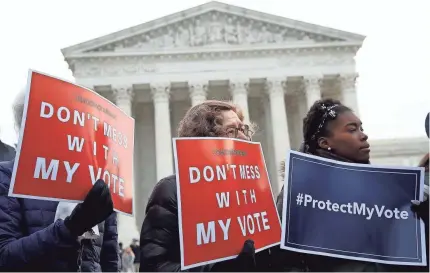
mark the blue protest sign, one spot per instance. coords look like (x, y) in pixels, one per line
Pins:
(352, 211)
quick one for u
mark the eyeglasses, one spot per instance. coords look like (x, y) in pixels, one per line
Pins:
(234, 132)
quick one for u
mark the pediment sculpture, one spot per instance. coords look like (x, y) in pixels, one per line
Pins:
(214, 29)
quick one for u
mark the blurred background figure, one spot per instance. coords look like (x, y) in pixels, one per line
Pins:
(425, 161)
(128, 260)
(136, 250)
(121, 251)
(6, 152)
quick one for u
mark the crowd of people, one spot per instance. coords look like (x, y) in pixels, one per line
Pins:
(31, 239)
(129, 257)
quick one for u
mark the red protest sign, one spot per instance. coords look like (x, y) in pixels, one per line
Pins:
(71, 136)
(224, 198)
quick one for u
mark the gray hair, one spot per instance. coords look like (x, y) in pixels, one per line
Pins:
(18, 108)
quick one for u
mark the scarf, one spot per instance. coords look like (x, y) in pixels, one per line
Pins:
(329, 155)
(321, 153)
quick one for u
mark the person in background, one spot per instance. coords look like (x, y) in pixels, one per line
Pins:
(128, 260)
(425, 160)
(121, 251)
(422, 208)
(427, 124)
(136, 250)
(159, 238)
(32, 239)
(6, 152)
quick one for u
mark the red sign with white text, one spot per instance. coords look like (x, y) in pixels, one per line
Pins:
(224, 198)
(70, 137)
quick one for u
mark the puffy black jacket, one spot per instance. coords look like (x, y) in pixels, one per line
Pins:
(30, 240)
(136, 251)
(159, 237)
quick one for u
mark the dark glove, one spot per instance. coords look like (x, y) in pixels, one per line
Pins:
(421, 209)
(96, 207)
(244, 262)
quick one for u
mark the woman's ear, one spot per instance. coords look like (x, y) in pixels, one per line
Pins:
(323, 143)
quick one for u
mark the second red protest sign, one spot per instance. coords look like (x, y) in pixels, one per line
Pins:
(224, 198)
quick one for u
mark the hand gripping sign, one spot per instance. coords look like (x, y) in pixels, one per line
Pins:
(70, 137)
(224, 198)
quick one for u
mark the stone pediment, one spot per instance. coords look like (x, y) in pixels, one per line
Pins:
(213, 25)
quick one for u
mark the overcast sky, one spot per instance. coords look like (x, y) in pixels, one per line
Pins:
(393, 64)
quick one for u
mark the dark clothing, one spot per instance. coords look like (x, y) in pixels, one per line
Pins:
(120, 260)
(159, 237)
(427, 124)
(30, 240)
(136, 251)
(6, 152)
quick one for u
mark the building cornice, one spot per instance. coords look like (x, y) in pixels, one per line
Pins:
(399, 147)
(233, 51)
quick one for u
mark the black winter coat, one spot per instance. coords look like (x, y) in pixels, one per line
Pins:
(159, 237)
(30, 240)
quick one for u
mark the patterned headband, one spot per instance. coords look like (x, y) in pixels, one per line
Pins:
(328, 112)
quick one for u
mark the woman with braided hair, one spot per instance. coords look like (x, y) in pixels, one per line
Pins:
(330, 130)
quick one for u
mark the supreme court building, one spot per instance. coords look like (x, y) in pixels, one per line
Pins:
(273, 67)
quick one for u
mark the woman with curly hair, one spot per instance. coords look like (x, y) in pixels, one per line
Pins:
(159, 238)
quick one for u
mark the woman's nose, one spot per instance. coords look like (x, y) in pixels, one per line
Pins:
(241, 135)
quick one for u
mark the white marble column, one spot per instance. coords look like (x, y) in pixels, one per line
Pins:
(281, 138)
(348, 91)
(198, 92)
(127, 226)
(163, 138)
(312, 87)
(239, 92)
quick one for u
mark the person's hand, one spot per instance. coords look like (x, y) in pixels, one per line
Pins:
(244, 262)
(421, 209)
(96, 207)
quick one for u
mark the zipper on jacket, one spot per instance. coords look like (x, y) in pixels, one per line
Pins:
(79, 260)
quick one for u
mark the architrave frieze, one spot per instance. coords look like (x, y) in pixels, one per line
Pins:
(240, 49)
(111, 66)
